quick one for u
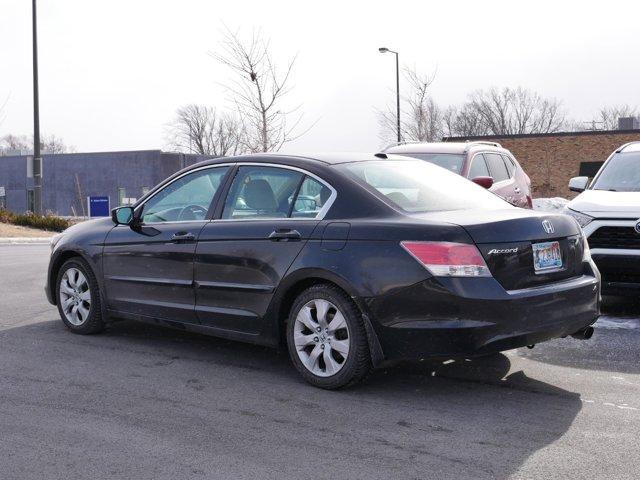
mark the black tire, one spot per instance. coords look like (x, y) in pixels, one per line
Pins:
(357, 364)
(93, 323)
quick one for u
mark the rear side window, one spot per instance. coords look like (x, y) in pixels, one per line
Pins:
(311, 198)
(478, 167)
(497, 167)
(261, 192)
(272, 192)
(417, 186)
(511, 166)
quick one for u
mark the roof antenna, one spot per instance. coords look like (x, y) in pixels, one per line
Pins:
(380, 155)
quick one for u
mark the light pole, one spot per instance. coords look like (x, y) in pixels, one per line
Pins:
(385, 50)
(37, 160)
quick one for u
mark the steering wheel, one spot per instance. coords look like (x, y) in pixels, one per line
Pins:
(190, 212)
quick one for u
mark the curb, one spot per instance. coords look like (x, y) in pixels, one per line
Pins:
(24, 240)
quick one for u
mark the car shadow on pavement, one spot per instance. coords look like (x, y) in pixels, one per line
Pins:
(464, 419)
(614, 347)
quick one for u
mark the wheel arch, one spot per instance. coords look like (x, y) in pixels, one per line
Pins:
(56, 264)
(295, 283)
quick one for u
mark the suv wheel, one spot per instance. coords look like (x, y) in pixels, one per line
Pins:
(326, 338)
(79, 297)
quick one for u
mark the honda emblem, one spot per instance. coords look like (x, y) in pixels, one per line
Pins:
(548, 226)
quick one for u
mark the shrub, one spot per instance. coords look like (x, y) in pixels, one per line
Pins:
(43, 222)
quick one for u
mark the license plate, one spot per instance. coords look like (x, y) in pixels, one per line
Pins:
(546, 257)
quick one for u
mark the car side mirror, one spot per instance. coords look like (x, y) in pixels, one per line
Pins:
(486, 182)
(122, 215)
(578, 184)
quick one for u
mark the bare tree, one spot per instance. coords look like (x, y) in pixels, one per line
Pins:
(607, 117)
(463, 121)
(48, 143)
(259, 90)
(422, 118)
(16, 142)
(511, 111)
(202, 130)
(54, 144)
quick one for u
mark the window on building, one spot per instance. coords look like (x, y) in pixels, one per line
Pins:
(122, 194)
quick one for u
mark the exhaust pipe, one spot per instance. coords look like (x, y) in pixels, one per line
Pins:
(584, 334)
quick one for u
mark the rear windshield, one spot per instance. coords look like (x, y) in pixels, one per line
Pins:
(450, 161)
(417, 186)
(622, 174)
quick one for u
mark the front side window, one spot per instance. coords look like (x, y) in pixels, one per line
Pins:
(450, 161)
(185, 199)
(621, 173)
(416, 186)
(478, 167)
(497, 167)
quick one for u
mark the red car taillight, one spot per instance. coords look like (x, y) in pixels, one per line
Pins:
(448, 259)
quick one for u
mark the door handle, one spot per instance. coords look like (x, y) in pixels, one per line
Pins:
(284, 234)
(183, 237)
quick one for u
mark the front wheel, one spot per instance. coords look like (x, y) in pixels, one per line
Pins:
(79, 297)
(326, 338)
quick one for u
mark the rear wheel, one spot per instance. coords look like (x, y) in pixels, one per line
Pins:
(326, 338)
(78, 297)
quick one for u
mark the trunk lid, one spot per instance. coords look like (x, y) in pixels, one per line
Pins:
(505, 239)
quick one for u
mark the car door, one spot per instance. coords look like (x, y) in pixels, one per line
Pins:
(148, 267)
(269, 214)
(502, 184)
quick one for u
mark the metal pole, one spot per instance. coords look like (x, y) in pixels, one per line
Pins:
(397, 96)
(37, 160)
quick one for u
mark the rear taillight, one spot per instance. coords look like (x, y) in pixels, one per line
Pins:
(448, 259)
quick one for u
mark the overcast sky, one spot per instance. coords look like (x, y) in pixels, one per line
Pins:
(113, 72)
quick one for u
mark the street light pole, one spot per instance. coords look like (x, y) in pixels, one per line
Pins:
(385, 50)
(37, 160)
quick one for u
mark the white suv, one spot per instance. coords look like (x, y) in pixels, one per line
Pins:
(608, 210)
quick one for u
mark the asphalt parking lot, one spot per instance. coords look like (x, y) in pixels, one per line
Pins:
(150, 403)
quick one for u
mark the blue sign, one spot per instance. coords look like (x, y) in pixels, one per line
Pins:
(98, 206)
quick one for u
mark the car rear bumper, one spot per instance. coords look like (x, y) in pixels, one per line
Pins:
(470, 317)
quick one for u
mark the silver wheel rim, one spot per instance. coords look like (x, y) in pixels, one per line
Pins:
(75, 296)
(321, 337)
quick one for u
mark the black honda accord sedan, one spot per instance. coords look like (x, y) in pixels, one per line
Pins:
(351, 261)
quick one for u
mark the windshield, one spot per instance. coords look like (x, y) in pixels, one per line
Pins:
(417, 186)
(621, 174)
(450, 161)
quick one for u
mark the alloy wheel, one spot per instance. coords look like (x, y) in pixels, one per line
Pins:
(75, 296)
(321, 337)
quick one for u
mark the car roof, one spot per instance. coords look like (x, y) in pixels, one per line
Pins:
(332, 158)
(444, 147)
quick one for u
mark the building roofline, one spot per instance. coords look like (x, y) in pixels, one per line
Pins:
(534, 135)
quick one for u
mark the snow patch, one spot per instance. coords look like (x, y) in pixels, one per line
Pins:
(613, 323)
(554, 204)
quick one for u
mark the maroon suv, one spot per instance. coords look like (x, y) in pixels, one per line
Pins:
(485, 163)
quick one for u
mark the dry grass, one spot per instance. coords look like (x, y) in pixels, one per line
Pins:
(12, 231)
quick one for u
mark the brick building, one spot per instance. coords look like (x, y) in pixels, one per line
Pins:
(551, 159)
